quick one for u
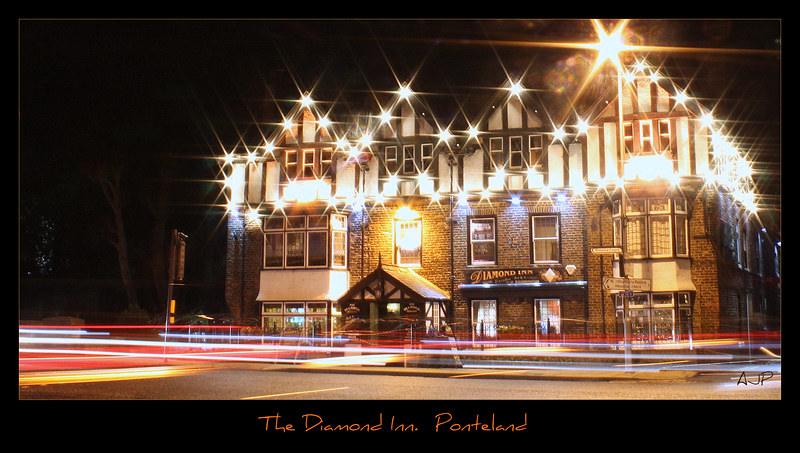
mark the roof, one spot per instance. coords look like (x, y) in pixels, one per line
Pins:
(409, 281)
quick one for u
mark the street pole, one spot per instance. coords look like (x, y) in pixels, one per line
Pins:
(623, 219)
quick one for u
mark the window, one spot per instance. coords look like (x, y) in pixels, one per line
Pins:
(326, 157)
(535, 147)
(484, 319)
(409, 157)
(664, 136)
(300, 241)
(433, 317)
(496, 151)
(482, 242)
(339, 237)
(660, 228)
(654, 228)
(646, 136)
(545, 238)
(515, 152)
(291, 163)
(548, 318)
(408, 243)
(309, 162)
(627, 132)
(391, 158)
(427, 156)
(295, 318)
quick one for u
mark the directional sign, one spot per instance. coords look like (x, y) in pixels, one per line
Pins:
(626, 284)
(606, 250)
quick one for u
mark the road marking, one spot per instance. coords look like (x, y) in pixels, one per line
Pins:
(293, 393)
(653, 364)
(486, 374)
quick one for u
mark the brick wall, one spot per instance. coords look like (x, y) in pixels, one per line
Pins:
(253, 247)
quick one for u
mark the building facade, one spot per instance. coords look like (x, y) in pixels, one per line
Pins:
(491, 233)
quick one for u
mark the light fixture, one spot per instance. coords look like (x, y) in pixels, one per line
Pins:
(654, 77)
(640, 66)
(444, 135)
(324, 122)
(579, 188)
(365, 140)
(354, 152)
(380, 198)
(342, 143)
(436, 196)
(306, 100)
(610, 45)
(559, 134)
(404, 92)
(463, 199)
(681, 97)
(406, 213)
(287, 123)
(279, 204)
(251, 157)
(252, 215)
(516, 88)
(473, 132)
(485, 193)
(515, 200)
(546, 191)
(385, 117)
(269, 148)
(232, 209)
(629, 77)
(706, 120)
(229, 158)
(583, 126)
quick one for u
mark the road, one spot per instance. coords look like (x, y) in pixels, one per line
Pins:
(263, 382)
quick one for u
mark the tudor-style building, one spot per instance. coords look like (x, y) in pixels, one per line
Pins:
(489, 235)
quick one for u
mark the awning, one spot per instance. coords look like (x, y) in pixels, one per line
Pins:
(394, 283)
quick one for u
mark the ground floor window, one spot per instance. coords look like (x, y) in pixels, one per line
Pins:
(484, 319)
(297, 319)
(547, 318)
(656, 317)
(433, 317)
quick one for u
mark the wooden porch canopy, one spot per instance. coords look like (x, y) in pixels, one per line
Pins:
(394, 284)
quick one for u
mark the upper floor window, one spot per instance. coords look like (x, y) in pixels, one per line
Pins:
(408, 242)
(545, 238)
(391, 158)
(296, 241)
(309, 162)
(326, 158)
(627, 132)
(338, 241)
(646, 136)
(482, 241)
(427, 156)
(535, 148)
(664, 135)
(654, 228)
(515, 152)
(496, 152)
(291, 163)
(409, 156)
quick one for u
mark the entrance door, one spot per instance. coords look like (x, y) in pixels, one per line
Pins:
(548, 319)
(484, 319)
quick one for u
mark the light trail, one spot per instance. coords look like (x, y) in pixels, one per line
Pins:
(123, 374)
(486, 374)
(517, 352)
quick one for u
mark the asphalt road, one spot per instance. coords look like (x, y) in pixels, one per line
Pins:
(256, 382)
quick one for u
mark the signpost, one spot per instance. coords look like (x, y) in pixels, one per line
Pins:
(177, 258)
(627, 284)
(606, 250)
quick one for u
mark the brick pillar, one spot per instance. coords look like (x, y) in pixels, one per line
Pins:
(599, 233)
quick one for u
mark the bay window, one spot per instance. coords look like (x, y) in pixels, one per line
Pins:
(654, 228)
(482, 242)
(302, 241)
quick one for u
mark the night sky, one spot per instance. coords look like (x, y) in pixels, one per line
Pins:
(164, 97)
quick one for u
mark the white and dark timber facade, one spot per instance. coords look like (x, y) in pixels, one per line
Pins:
(490, 235)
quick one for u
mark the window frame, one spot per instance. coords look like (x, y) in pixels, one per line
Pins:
(470, 240)
(494, 151)
(343, 231)
(396, 228)
(642, 138)
(628, 138)
(533, 237)
(429, 159)
(291, 175)
(390, 160)
(532, 163)
(662, 147)
(306, 165)
(512, 153)
(412, 159)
